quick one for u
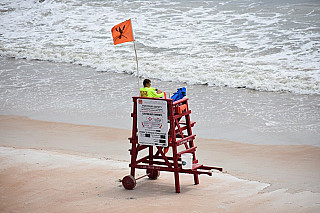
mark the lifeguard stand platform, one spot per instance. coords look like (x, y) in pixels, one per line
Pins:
(163, 129)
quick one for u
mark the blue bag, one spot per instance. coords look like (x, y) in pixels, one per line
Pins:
(179, 94)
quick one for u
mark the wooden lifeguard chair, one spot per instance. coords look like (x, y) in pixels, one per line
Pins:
(160, 125)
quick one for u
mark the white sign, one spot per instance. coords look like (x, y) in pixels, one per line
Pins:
(152, 122)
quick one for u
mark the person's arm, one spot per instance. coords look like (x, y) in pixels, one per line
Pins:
(157, 95)
(159, 91)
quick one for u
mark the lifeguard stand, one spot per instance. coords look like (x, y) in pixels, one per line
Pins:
(178, 132)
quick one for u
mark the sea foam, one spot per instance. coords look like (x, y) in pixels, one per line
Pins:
(243, 44)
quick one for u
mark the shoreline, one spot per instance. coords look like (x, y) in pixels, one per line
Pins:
(62, 92)
(239, 159)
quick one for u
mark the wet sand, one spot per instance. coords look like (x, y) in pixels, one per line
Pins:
(59, 167)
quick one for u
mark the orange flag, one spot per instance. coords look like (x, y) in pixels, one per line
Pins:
(122, 32)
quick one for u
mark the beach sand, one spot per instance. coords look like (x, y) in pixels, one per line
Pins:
(59, 167)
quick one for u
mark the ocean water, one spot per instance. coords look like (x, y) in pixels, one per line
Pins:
(251, 68)
(64, 92)
(265, 45)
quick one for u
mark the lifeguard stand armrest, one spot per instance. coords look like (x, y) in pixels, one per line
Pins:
(180, 101)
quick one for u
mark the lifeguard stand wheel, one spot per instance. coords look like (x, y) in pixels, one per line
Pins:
(161, 124)
(129, 182)
(153, 174)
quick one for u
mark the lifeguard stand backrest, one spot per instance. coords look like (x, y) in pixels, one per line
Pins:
(177, 107)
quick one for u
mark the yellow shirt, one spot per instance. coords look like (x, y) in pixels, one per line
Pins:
(150, 92)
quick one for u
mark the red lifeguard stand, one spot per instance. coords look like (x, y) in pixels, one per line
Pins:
(179, 133)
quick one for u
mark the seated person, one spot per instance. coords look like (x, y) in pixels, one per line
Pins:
(148, 91)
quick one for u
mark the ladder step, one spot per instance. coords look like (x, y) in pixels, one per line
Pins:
(184, 127)
(181, 115)
(192, 123)
(185, 140)
(190, 150)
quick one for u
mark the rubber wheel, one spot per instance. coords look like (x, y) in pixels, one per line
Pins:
(129, 182)
(153, 174)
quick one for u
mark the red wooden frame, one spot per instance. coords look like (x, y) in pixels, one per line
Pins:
(180, 133)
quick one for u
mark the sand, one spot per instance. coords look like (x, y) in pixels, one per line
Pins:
(59, 167)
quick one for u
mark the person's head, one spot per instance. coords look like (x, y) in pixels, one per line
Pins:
(146, 82)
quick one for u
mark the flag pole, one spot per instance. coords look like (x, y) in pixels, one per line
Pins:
(135, 51)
